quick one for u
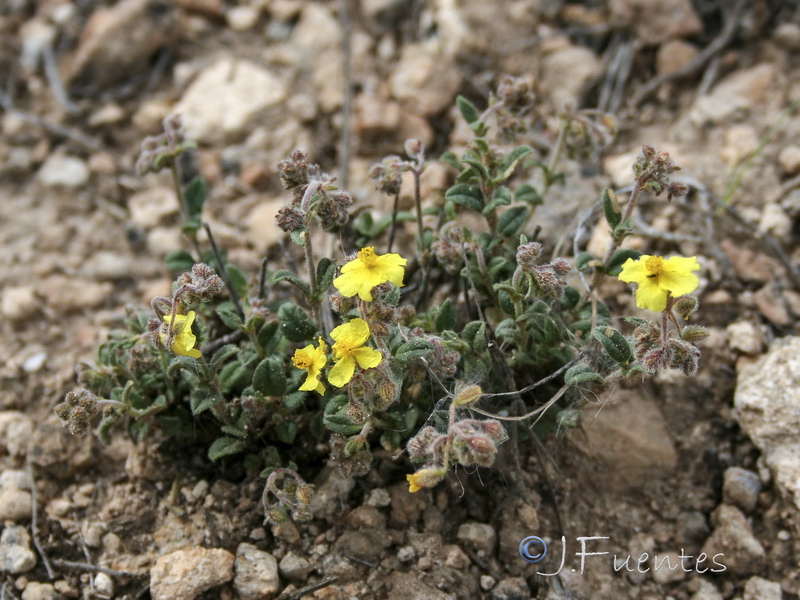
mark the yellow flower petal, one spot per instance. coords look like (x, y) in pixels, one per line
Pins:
(658, 278)
(342, 372)
(183, 340)
(313, 360)
(367, 270)
(651, 297)
(354, 332)
(634, 271)
(367, 358)
(677, 277)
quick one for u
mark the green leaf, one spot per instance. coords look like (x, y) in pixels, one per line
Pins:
(477, 166)
(225, 446)
(474, 333)
(507, 330)
(269, 336)
(500, 197)
(201, 400)
(413, 348)
(238, 279)
(580, 373)
(614, 266)
(234, 376)
(468, 110)
(231, 319)
(295, 324)
(585, 261)
(234, 431)
(179, 261)
(298, 236)
(466, 195)
(269, 377)
(611, 207)
(511, 220)
(527, 193)
(291, 277)
(294, 400)
(446, 318)
(326, 269)
(510, 161)
(194, 196)
(614, 343)
(286, 431)
(449, 158)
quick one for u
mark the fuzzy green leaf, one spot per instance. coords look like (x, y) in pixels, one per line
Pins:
(269, 336)
(225, 446)
(585, 261)
(580, 373)
(295, 324)
(201, 400)
(286, 431)
(326, 270)
(468, 110)
(446, 319)
(511, 220)
(269, 377)
(611, 207)
(230, 317)
(477, 166)
(466, 195)
(500, 197)
(413, 348)
(291, 277)
(179, 261)
(194, 196)
(527, 193)
(449, 158)
(510, 161)
(234, 376)
(614, 343)
(474, 334)
(238, 279)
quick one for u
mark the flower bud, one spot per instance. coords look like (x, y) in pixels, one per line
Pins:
(685, 306)
(466, 394)
(425, 478)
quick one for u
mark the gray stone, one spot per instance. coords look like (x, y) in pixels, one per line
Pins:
(656, 21)
(330, 493)
(741, 487)
(789, 159)
(758, 588)
(744, 336)
(706, 591)
(767, 403)
(740, 91)
(153, 206)
(15, 505)
(481, 536)
(15, 479)
(228, 96)
(423, 82)
(407, 586)
(775, 221)
(512, 588)
(256, 573)
(667, 568)
(63, 170)
(16, 555)
(104, 585)
(107, 264)
(41, 591)
(185, 574)
(294, 567)
(580, 63)
(732, 543)
(16, 429)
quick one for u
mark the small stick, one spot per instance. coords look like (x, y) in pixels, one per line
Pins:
(34, 525)
(310, 589)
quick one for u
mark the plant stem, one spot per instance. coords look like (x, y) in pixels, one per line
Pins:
(223, 273)
(312, 275)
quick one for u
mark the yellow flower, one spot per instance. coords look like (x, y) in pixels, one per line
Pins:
(362, 274)
(659, 278)
(349, 349)
(183, 340)
(312, 360)
(425, 478)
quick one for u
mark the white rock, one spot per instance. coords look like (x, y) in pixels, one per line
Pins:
(63, 170)
(16, 430)
(740, 91)
(104, 585)
(256, 573)
(706, 591)
(107, 264)
(15, 479)
(674, 55)
(41, 591)
(758, 588)
(667, 568)
(566, 72)
(15, 505)
(153, 206)
(16, 555)
(227, 97)
(295, 567)
(788, 35)
(789, 159)
(422, 82)
(732, 542)
(242, 18)
(69, 294)
(740, 142)
(775, 221)
(767, 403)
(185, 574)
(19, 303)
(744, 337)
(658, 20)
(34, 362)
(260, 225)
(480, 536)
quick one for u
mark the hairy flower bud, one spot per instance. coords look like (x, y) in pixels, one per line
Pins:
(290, 219)
(466, 394)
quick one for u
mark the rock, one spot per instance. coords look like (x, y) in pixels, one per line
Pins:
(787, 35)
(667, 568)
(41, 591)
(656, 21)
(739, 91)
(629, 436)
(487, 582)
(741, 488)
(740, 142)
(242, 18)
(227, 97)
(16, 429)
(19, 303)
(378, 497)
(261, 230)
(749, 265)
(34, 362)
(256, 573)
(455, 557)
(582, 66)
(36, 35)
(366, 517)
(674, 55)
(107, 264)
(732, 543)
(362, 545)
(422, 81)
(767, 403)
(15, 479)
(16, 555)
(511, 588)
(104, 585)
(692, 527)
(15, 505)
(69, 294)
(294, 567)
(775, 221)
(744, 337)
(63, 170)
(108, 114)
(317, 39)
(706, 591)
(406, 586)
(185, 574)
(481, 536)
(789, 159)
(153, 206)
(330, 494)
(118, 42)
(758, 588)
